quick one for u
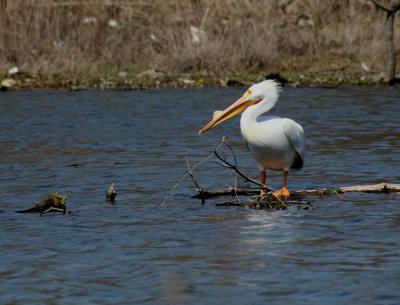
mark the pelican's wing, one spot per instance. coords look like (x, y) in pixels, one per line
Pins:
(295, 135)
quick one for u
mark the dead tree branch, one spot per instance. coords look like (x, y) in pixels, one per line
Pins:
(171, 191)
(394, 7)
(190, 172)
(234, 166)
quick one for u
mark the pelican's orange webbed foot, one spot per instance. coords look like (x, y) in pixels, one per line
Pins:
(284, 193)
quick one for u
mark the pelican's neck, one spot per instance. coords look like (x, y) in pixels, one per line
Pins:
(254, 111)
(269, 97)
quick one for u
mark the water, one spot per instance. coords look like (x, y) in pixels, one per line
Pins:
(342, 252)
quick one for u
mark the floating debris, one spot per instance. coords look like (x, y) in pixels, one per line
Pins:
(54, 202)
(111, 193)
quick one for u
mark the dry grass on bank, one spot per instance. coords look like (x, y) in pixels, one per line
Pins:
(92, 40)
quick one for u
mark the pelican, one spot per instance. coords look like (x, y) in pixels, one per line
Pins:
(276, 143)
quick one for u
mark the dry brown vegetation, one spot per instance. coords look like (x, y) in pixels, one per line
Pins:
(151, 42)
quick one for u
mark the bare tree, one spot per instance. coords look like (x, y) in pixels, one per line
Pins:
(391, 10)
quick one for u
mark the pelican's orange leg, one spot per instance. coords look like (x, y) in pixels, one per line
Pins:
(284, 191)
(263, 178)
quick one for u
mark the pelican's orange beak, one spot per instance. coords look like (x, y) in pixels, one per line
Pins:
(233, 110)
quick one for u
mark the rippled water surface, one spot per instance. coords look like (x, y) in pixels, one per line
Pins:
(345, 251)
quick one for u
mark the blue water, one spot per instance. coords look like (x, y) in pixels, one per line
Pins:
(344, 251)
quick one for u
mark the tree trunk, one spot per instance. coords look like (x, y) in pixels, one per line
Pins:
(391, 10)
(391, 50)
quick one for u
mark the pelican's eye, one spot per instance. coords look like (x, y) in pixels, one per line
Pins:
(248, 93)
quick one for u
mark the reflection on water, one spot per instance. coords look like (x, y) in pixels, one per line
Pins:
(344, 251)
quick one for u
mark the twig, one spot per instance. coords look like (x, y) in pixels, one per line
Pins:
(298, 202)
(227, 164)
(190, 172)
(234, 166)
(173, 188)
(53, 209)
(235, 188)
(203, 20)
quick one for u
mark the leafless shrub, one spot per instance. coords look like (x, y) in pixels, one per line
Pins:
(75, 38)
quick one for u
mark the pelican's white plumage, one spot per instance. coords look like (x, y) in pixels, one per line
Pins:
(276, 143)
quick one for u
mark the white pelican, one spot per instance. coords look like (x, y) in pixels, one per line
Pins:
(276, 143)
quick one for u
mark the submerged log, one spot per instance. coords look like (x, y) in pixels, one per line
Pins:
(367, 188)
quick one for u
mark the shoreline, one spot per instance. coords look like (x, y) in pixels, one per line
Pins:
(152, 79)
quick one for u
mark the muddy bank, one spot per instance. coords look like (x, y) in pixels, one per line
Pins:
(156, 79)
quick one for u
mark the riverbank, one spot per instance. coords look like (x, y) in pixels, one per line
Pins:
(309, 79)
(153, 79)
(327, 71)
(136, 44)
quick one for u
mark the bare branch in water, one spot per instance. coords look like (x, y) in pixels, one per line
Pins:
(171, 191)
(53, 209)
(234, 166)
(190, 172)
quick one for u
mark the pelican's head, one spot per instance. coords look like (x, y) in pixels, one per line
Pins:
(264, 94)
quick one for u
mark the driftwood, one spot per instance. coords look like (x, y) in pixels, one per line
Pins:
(366, 188)
(391, 11)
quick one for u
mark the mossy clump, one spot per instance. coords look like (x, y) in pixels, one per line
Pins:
(267, 201)
(260, 202)
(54, 202)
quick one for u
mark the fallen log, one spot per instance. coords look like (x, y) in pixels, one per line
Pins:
(382, 187)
